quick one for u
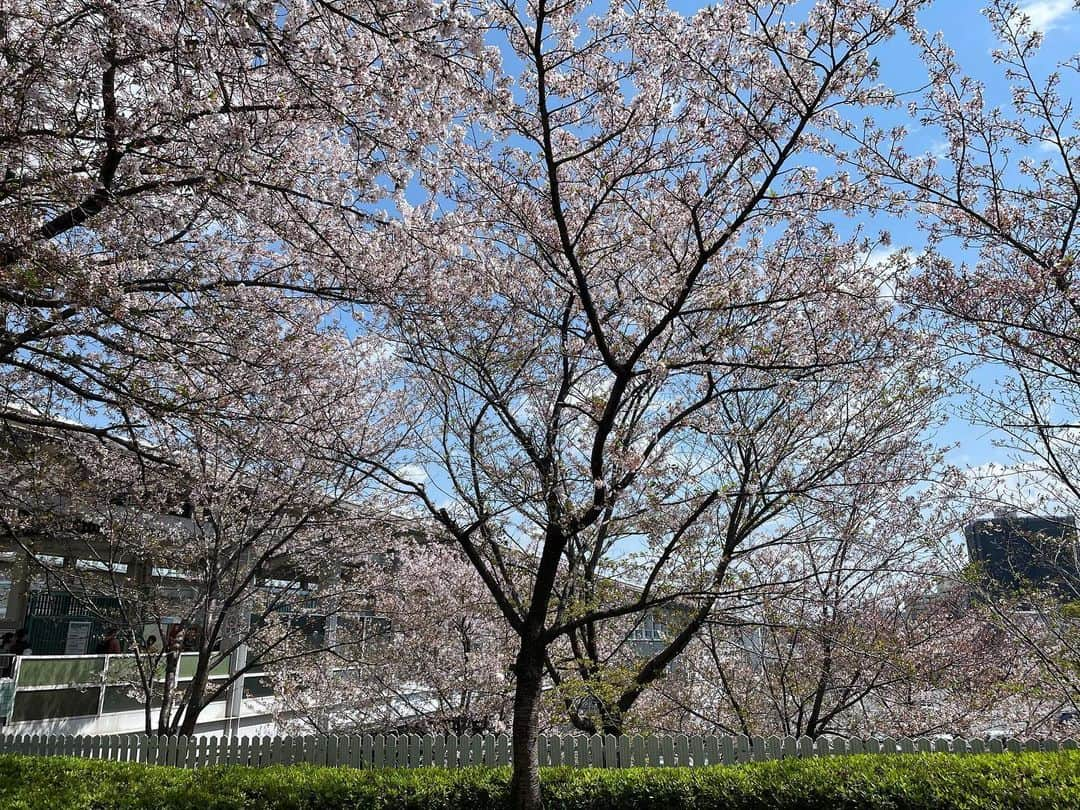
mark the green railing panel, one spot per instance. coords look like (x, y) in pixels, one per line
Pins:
(60, 671)
(49, 704)
(189, 662)
(125, 669)
(70, 670)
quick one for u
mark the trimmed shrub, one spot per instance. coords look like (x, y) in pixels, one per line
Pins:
(1030, 781)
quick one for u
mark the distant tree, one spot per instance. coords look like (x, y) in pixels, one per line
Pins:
(871, 635)
(429, 652)
(1030, 589)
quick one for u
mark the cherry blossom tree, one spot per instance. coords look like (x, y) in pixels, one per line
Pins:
(632, 331)
(156, 155)
(236, 524)
(1006, 189)
(184, 190)
(999, 206)
(428, 652)
(872, 635)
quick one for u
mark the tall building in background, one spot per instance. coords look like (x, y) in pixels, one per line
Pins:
(1019, 551)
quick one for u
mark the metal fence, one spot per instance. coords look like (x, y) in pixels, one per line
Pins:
(51, 616)
(451, 751)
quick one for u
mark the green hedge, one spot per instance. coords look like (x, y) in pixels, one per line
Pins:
(1048, 781)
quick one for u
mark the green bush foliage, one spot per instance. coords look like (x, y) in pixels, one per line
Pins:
(1048, 781)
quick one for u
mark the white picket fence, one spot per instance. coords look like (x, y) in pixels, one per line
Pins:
(450, 751)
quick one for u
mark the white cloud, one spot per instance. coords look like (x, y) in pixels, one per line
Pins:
(414, 473)
(1026, 488)
(1046, 14)
(880, 255)
(374, 349)
(878, 266)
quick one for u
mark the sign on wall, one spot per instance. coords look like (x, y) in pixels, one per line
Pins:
(78, 637)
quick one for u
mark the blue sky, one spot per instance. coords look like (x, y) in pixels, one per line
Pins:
(967, 31)
(969, 34)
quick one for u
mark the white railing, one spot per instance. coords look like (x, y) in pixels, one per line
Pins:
(451, 751)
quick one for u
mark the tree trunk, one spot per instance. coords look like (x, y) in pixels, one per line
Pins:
(168, 691)
(611, 721)
(148, 711)
(613, 724)
(196, 695)
(525, 781)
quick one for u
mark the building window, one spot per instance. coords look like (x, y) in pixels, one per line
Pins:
(648, 629)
